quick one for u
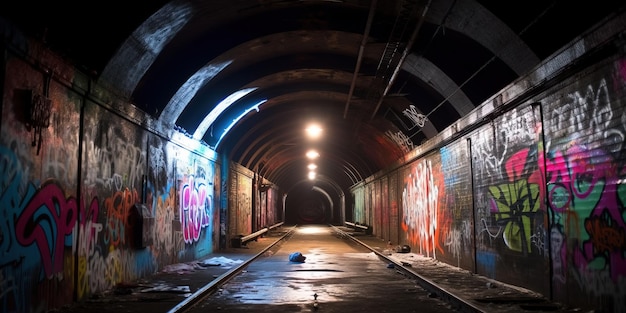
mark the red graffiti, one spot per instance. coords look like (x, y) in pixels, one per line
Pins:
(118, 208)
(606, 236)
(520, 166)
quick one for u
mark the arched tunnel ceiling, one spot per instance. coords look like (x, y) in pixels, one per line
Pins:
(379, 76)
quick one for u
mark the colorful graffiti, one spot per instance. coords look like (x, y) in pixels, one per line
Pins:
(44, 232)
(586, 181)
(195, 207)
(118, 207)
(36, 228)
(420, 201)
(456, 215)
(46, 221)
(515, 203)
(165, 216)
(586, 191)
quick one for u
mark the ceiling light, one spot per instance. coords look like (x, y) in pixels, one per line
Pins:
(314, 131)
(312, 154)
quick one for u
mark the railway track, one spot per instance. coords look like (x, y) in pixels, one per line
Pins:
(211, 287)
(340, 274)
(344, 271)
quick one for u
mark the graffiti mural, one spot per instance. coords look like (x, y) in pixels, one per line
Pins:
(36, 234)
(240, 202)
(515, 202)
(113, 170)
(586, 192)
(195, 207)
(195, 179)
(457, 229)
(420, 207)
(509, 187)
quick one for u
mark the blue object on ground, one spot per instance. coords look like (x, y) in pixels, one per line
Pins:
(297, 257)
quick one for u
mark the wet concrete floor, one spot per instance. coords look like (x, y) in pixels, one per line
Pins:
(338, 275)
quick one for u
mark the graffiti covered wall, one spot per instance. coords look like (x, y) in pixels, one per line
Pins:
(585, 157)
(535, 196)
(78, 179)
(114, 163)
(377, 208)
(394, 210)
(39, 205)
(240, 202)
(384, 211)
(510, 215)
(456, 206)
(196, 187)
(421, 200)
(271, 203)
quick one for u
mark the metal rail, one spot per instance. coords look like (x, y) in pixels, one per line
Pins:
(209, 288)
(241, 241)
(365, 228)
(427, 284)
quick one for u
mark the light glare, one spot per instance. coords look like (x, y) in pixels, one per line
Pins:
(314, 131)
(219, 109)
(312, 154)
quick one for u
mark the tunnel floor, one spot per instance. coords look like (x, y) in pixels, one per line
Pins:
(337, 275)
(340, 274)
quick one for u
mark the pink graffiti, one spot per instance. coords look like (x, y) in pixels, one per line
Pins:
(589, 178)
(516, 169)
(35, 224)
(579, 172)
(194, 207)
(572, 174)
(89, 230)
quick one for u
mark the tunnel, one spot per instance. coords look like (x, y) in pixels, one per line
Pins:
(485, 135)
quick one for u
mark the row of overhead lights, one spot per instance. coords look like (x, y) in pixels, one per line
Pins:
(314, 132)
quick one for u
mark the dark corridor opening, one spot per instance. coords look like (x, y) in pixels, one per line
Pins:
(305, 205)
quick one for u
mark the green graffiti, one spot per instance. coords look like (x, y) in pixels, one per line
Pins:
(514, 204)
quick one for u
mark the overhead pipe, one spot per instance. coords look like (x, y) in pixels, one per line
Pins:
(406, 51)
(359, 59)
